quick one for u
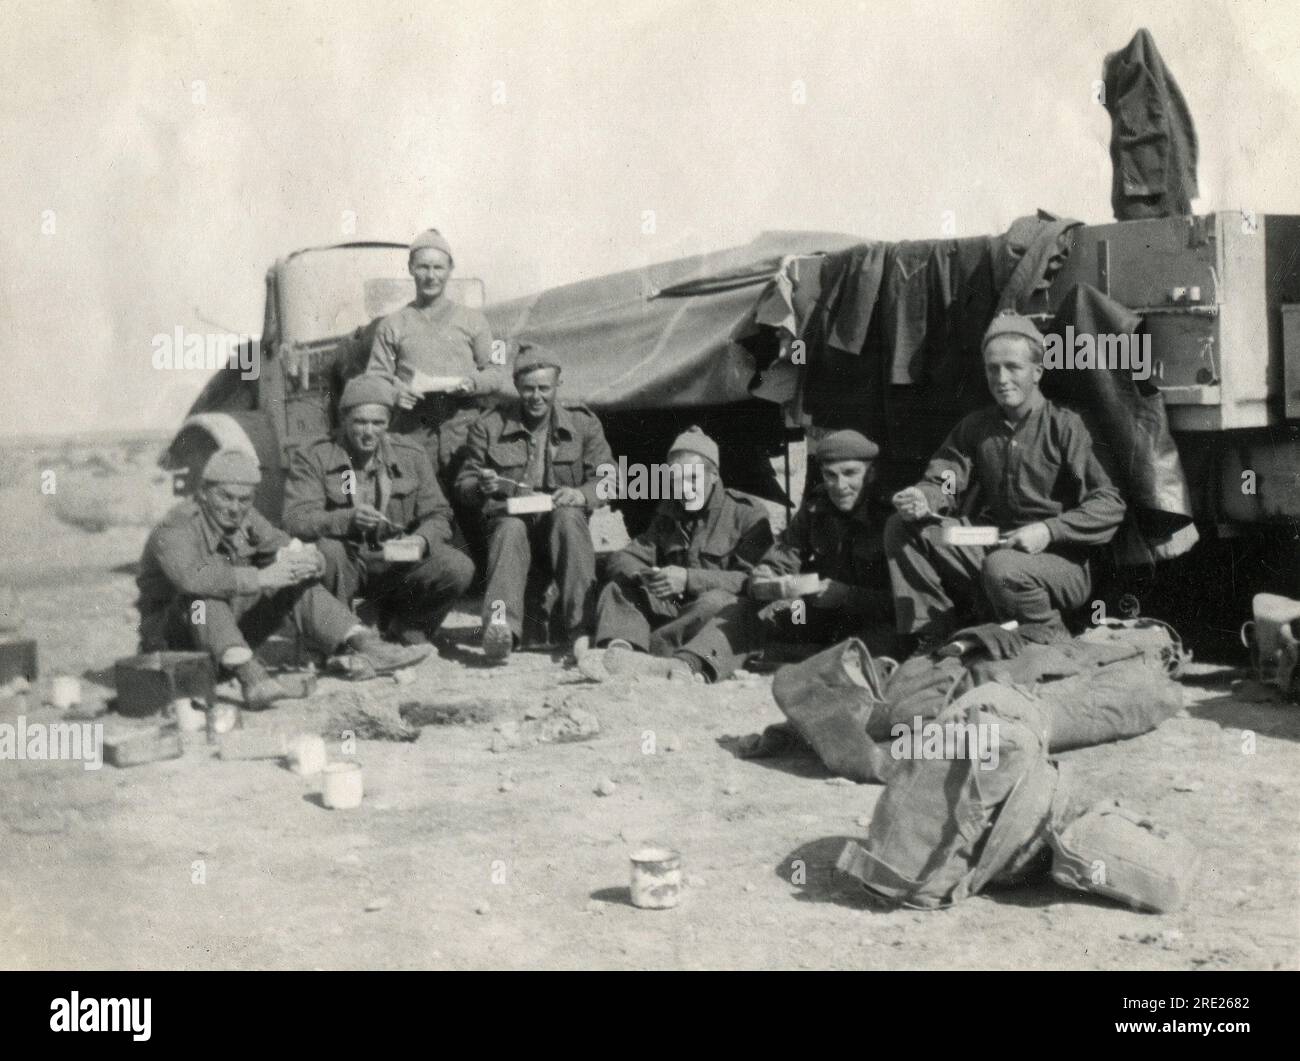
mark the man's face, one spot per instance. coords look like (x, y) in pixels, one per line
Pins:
(693, 479)
(429, 268)
(844, 481)
(227, 504)
(1011, 371)
(537, 390)
(366, 426)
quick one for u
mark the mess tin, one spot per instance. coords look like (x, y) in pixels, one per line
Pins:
(403, 550)
(656, 878)
(960, 534)
(526, 504)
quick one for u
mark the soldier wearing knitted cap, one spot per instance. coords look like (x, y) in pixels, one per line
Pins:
(352, 491)
(217, 576)
(836, 536)
(535, 445)
(1024, 466)
(439, 355)
(690, 562)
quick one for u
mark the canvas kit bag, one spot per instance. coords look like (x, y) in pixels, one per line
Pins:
(945, 827)
(1112, 851)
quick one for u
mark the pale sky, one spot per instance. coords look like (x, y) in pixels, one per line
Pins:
(177, 148)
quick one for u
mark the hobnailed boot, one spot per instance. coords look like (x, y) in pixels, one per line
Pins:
(378, 657)
(259, 688)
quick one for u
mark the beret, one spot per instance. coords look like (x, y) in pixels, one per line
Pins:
(694, 440)
(846, 446)
(531, 356)
(1008, 322)
(367, 390)
(232, 466)
(431, 237)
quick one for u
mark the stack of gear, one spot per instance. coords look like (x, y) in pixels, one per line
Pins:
(950, 820)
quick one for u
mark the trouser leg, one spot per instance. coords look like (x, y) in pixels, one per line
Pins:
(344, 573)
(1034, 588)
(726, 640)
(573, 562)
(676, 633)
(623, 613)
(927, 576)
(425, 593)
(509, 558)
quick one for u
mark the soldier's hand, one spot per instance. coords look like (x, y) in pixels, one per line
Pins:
(568, 497)
(667, 582)
(833, 594)
(464, 386)
(280, 574)
(407, 395)
(911, 503)
(489, 482)
(366, 517)
(1031, 539)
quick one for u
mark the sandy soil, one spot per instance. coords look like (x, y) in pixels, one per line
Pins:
(468, 853)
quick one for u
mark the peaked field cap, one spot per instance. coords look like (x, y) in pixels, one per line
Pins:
(1009, 322)
(232, 466)
(367, 390)
(694, 440)
(431, 237)
(530, 356)
(846, 446)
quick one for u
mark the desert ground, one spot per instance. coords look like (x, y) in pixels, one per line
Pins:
(478, 846)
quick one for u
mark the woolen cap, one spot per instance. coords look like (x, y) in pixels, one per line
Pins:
(694, 440)
(1008, 322)
(531, 356)
(368, 390)
(431, 237)
(846, 446)
(232, 466)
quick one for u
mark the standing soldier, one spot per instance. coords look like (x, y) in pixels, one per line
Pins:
(353, 491)
(534, 445)
(438, 355)
(692, 561)
(216, 576)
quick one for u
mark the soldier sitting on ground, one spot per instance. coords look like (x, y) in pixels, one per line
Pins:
(837, 536)
(217, 576)
(535, 446)
(691, 561)
(362, 486)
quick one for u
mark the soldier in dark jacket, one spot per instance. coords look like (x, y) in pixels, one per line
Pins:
(535, 446)
(690, 562)
(353, 491)
(837, 535)
(215, 575)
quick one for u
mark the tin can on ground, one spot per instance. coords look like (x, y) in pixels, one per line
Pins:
(222, 718)
(307, 755)
(341, 786)
(188, 717)
(65, 692)
(656, 878)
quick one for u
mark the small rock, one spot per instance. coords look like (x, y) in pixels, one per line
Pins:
(673, 743)
(1187, 786)
(606, 786)
(731, 789)
(505, 786)
(483, 908)
(840, 781)
(863, 822)
(751, 887)
(1170, 938)
(539, 712)
(406, 676)
(377, 903)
